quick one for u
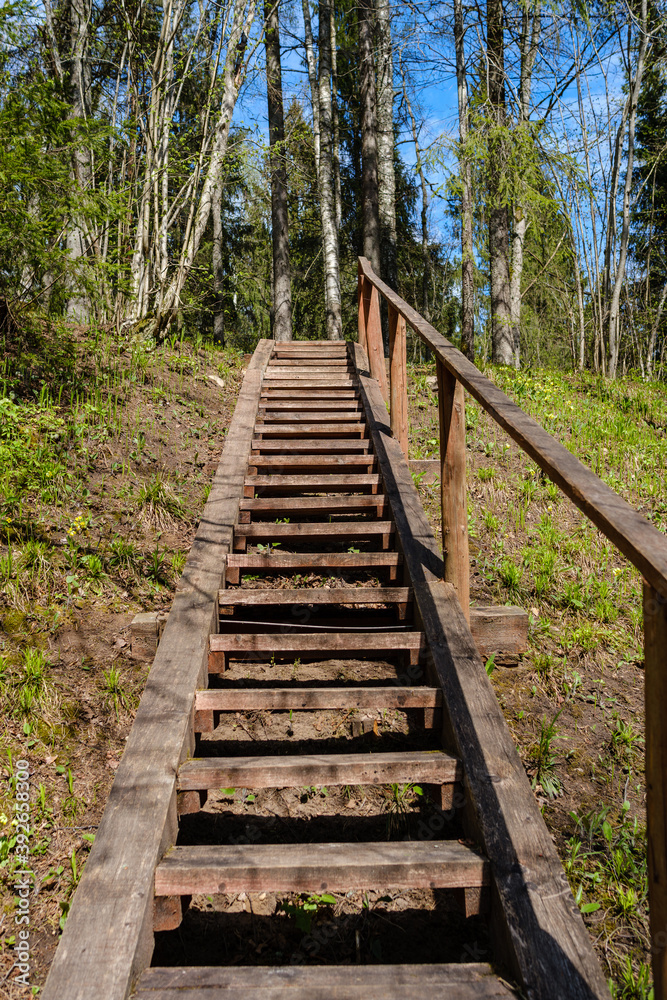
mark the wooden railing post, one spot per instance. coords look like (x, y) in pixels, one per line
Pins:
(451, 410)
(361, 295)
(374, 346)
(398, 379)
(655, 699)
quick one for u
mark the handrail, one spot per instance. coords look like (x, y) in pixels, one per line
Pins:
(637, 538)
(633, 535)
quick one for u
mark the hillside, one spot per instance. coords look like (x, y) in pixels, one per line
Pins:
(103, 470)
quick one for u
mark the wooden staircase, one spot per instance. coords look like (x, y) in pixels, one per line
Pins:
(323, 557)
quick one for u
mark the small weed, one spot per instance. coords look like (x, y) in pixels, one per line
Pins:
(112, 689)
(158, 504)
(545, 757)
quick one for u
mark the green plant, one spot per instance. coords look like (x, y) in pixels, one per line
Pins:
(544, 757)
(491, 522)
(624, 737)
(113, 690)
(158, 504)
(510, 575)
(302, 911)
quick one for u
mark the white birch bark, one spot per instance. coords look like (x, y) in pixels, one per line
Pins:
(385, 142)
(326, 181)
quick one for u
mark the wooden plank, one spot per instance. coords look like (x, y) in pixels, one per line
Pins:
(323, 563)
(108, 937)
(310, 430)
(637, 538)
(326, 445)
(319, 769)
(308, 699)
(324, 483)
(279, 405)
(374, 345)
(331, 982)
(499, 629)
(311, 506)
(453, 491)
(274, 642)
(317, 595)
(226, 868)
(285, 361)
(321, 461)
(655, 688)
(398, 380)
(547, 942)
(311, 383)
(351, 530)
(297, 416)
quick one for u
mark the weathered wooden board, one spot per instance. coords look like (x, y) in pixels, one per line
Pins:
(318, 595)
(108, 937)
(248, 699)
(308, 446)
(327, 482)
(311, 506)
(316, 461)
(338, 982)
(443, 864)
(318, 769)
(304, 531)
(309, 430)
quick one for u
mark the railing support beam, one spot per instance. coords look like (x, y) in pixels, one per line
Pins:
(455, 550)
(655, 687)
(398, 379)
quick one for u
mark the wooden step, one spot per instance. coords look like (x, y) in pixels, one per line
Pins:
(320, 645)
(287, 363)
(270, 393)
(317, 595)
(341, 530)
(304, 369)
(321, 382)
(443, 864)
(311, 699)
(327, 446)
(309, 430)
(304, 462)
(420, 766)
(279, 405)
(307, 416)
(313, 506)
(335, 379)
(317, 982)
(323, 563)
(324, 483)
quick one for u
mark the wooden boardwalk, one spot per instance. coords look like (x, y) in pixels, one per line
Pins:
(314, 549)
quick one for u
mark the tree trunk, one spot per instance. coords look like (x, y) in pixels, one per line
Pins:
(426, 258)
(369, 155)
(502, 346)
(335, 152)
(77, 241)
(614, 335)
(233, 74)
(530, 36)
(654, 332)
(467, 250)
(312, 79)
(282, 290)
(326, 181)
(385, 144)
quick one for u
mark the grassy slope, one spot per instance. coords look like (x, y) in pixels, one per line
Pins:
(106, 456)
(575, 702)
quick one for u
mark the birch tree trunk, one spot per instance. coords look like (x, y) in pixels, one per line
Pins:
(467, 250)
(282, 280)
(326, 181)
(653, 337)
(385, 143)
(529, 41)
(502, 346)
(242, 19)
(633, 97)
(77, 240)
(369, 155)
(335, 152)
(312, 80)
(426, 258)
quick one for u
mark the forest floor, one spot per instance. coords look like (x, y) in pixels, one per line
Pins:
(106, 455)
